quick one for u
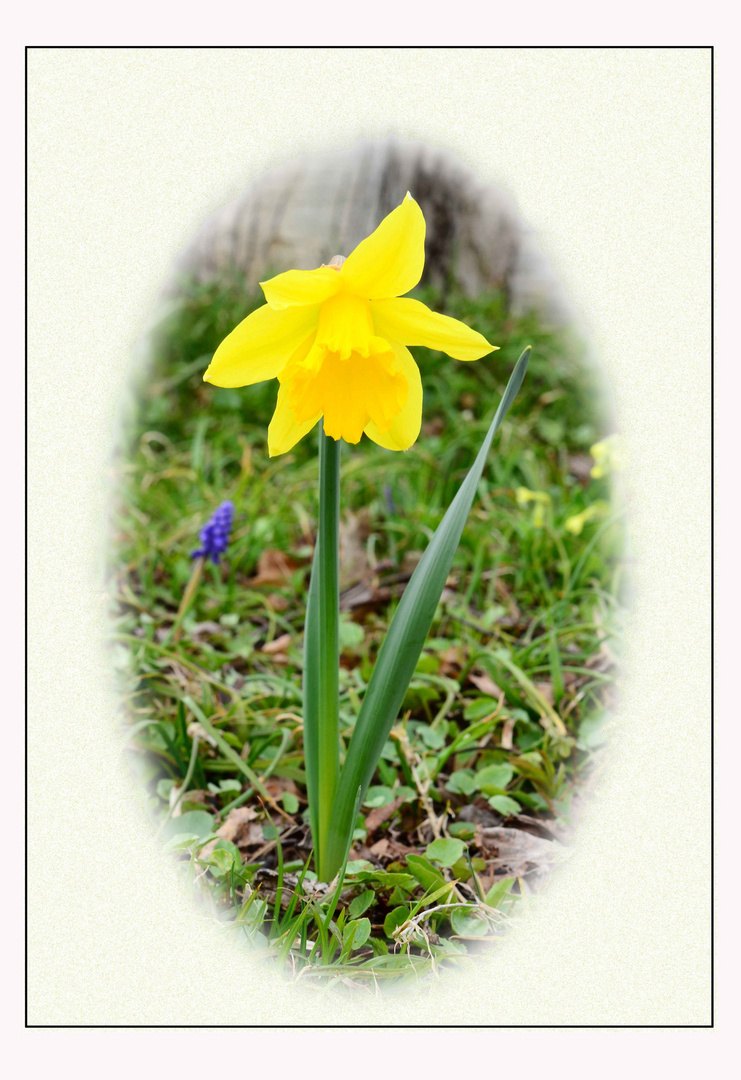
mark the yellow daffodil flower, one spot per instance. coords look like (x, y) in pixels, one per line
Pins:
(607, 457)
(576, 522)
(541, 499)
(336, 339)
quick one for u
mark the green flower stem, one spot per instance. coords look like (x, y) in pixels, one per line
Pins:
(322, 656)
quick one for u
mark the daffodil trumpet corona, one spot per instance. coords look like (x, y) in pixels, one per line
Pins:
(337, 339)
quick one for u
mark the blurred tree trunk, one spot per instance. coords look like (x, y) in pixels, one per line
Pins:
(303, 213)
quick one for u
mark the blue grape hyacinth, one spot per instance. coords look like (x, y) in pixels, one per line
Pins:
(214, 535)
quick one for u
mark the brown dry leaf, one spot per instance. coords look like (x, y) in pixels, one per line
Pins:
(410, 562)
(276, 785)
(435, 426)
(517, 852)
(580, 466)
(267, 879)
(502, 588)
(379, 814)
(548, 829)
(360, 851)
(184, 677)
(278, 645)
(601, 661)
(363, 595)
(451, 659)
(354, 565)
(207, 627)
(485, 684)
(273, 568)
(487, 880)
(396, 849)
(240, 828)
(374, 590)
(479, 813)
(195, 796)
(505, 594)
(380, 847)
(546, 689)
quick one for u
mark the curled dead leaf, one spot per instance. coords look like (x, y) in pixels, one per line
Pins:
(273, 568)
(276, 785)
(435, 426)
(353, 533)
(485, 684)
(278, 645)
(240, 828)
(379, 814)
(517, 852)
(580, 466)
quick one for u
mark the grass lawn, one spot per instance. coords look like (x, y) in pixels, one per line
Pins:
(502, 720)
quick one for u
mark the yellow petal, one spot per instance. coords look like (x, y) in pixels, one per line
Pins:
(260, 346)
(390, 261)
(348, 393)
(284, 430)
(411, 323)
(405, 426)
(345, 326)
(301, 287)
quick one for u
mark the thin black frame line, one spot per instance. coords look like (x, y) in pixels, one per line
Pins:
(25, 537)
(389, 1027)
(371, 48)
(637, 1027)
(712, 535)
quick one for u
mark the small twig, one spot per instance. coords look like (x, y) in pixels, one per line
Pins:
(412, 760)
(177, 627)
(406, 931)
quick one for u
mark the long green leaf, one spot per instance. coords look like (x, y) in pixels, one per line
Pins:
(322, 653)
(406, 636)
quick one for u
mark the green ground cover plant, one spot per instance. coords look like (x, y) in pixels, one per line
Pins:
(502, 721)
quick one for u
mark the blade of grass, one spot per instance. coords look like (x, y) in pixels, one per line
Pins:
(554, 658)
(296, 892)
(185, 662)
(290, 933)
(241, 799)
(184, 786)
(501, 656)
(279, 888)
